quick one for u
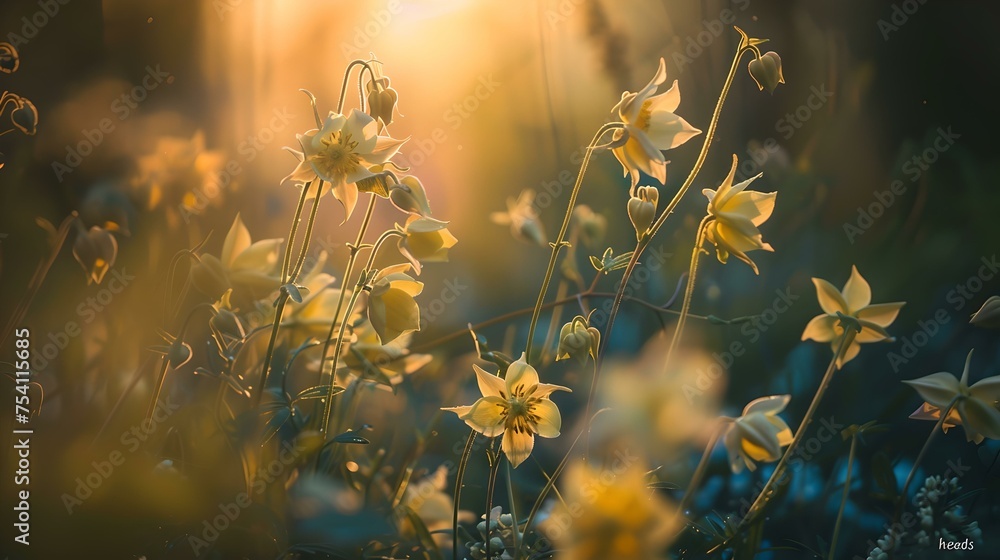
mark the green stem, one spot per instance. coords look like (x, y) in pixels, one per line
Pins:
(328, 405)
(699, 472)
(347, 78)
(310, 225)
(162, 374)
(561, 238)
(491, 485)
(513, 507)
(352, 259)
(843, 498)
(463, 463)
(286, 261)
(765, 495)
(689, 289)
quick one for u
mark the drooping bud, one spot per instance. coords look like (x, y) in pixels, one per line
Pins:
(409, 196)
(577, 339)
(642, 209)
(9, 59)
(96, 251)
(766, 71)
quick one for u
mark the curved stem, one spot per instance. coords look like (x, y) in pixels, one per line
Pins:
(689, 290)
(843, 498)
(561, 238)
(491, 485)
(162, 374)
(347, 79)
(304, 250)
(699, 472)
(286, 261)
(459, 484)
(328, 405)
(938, 427)
(378, 245)
(845, 341)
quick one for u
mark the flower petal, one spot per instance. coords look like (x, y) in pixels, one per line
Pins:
(517, 445)
(829, 297)
(822, 328)
(767, 405)
(882, 314)
(849, 354)
(487, 416)
(937, 389)
(982, 418)
(489, 385)
(237, 240)
(735, 451)
(549, 420)
(520, 377)
(544, 389)
(857, 293)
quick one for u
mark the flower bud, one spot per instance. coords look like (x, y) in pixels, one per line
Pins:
(381, 99)
(642, 209)
(96, 251)
(577, 339)
(766, 71)
(409, 196)
(25, 116)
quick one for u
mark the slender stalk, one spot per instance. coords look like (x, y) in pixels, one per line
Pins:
(765, 495)
(162, 374)
(843, 498)
(351, 260)
(513, 508)
(938, 427)
(328, 405)
(491, 485)
(689, 291)
(310, 225)
(561, 238)
(699, 472)
(287, 259)
(347, 78)
(463, 463)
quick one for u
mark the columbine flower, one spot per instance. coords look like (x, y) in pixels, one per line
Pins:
(620, 517)
(522, 217)
(246, 267)
(577, 339)
(642, 209)
(409, 196)
(759, 434)
(381, 97)
(391, 307)
(766, 71)
(855, 301)
(517, 407)
(387, 364)
(975, 408)
(735, 214)
(96, 251)
(652, 126)
(341, 153)
(425, 240)
(180, 174)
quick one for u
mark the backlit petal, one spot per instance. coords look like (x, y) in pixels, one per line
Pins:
(489, 384)
(549, 419)
(938, 388)
(821, 328)
(829, 297)
(517, 445)
(857, 293)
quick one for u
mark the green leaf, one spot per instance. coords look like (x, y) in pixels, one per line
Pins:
(317, 392)
(274, 423)
(349, 437)
(294, 292)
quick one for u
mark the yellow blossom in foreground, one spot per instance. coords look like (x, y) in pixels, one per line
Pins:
(613, 515)
(759, 434)
(735, 215)
(517, 407)
(341, 153)
(855, 301)
(246, 267)
(425, 240)
(975, 407)
(652, 126)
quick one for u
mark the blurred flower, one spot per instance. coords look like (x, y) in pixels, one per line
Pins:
(766, 71)
(425, 240)
(96, 251)
(387, 363)
(759, 434)
(341, 153)
(180, 174)
(409, 196)
(392, 308)
(988, 315)
(522, 217)
(428, 499)
(577, 339)
(736, 213)
(652, 126)
(225, 321)
(614, 515)
(854, 301)
(592, 226)
(517, 407)
(245, 267)
(975, 408)
(9, 59)
(642, 209)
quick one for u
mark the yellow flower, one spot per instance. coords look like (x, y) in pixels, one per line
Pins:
(246, 267)
(410, 197)
(735, 214)
(614, 515)
(975, 408)
(522, 217)
(391, 307)
(388, 363)
(759, 434)
(181, 174)
(855, 301)
(341, 153)
(517, 407)
(652, 126)
(428, 499)
(96, 251)
(425, 240)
